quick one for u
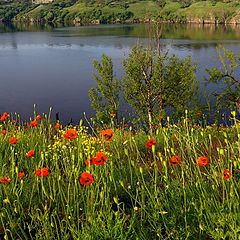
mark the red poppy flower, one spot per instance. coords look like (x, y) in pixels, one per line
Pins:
(151, 142)
(21, 175)
(4, 117)
(113, 114)
(86, 178)
(90, 162)
(57, 126)
(38, 117)
(71, 134)
(107, 135)
(4, 132)
(226, 174)
(33, 123)
(42, 172)
(175, 160)
(99, 159)
(203, 161)
(13, 140)
(30, 153)
(4, 180)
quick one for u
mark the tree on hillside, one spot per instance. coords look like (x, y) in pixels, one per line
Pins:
(161, 3)
(184, 3)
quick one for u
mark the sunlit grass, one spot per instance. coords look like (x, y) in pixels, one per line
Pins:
(78, 8)
(207, 9)
(144, 9)
(135, 190)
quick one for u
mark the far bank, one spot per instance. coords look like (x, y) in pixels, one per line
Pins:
(108, 12)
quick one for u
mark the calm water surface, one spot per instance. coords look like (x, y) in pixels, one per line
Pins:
(52, 65)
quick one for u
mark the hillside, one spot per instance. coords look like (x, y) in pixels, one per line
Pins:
(211, 11)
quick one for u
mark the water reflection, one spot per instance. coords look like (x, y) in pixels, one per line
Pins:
(176, 31)
(52, 64)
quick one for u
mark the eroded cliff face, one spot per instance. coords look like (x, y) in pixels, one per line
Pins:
(224, 17)
(236, 18)
(206, 20)
(215, 20)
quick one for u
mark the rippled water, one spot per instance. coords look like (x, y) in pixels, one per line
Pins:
(52, 65)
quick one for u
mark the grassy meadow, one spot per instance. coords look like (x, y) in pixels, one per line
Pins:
(118, 182)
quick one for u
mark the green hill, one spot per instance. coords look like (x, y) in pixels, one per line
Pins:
(103, 11)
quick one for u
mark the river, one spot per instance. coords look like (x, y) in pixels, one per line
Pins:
(52, 65)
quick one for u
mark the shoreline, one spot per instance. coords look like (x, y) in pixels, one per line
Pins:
(82, 23)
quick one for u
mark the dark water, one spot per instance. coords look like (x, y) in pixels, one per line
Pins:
(52, 65)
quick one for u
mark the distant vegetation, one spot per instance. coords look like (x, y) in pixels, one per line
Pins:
(107, 11)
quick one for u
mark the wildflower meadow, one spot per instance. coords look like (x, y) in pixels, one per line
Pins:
(117, 182)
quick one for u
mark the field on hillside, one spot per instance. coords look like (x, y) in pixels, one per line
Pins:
(122, 11)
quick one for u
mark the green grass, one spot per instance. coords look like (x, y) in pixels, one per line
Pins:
(136, 194)
(109, 10)
(36, 11)
(206, 9)
(140, 10)
(78, 8)
(171, 7)
(144, 9)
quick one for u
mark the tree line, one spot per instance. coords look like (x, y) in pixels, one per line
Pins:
(155, 85)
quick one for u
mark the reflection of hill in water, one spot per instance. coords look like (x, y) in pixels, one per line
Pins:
(202, 32)
(172, 31)
(191, 32)
(200, 45)
(26, 27)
